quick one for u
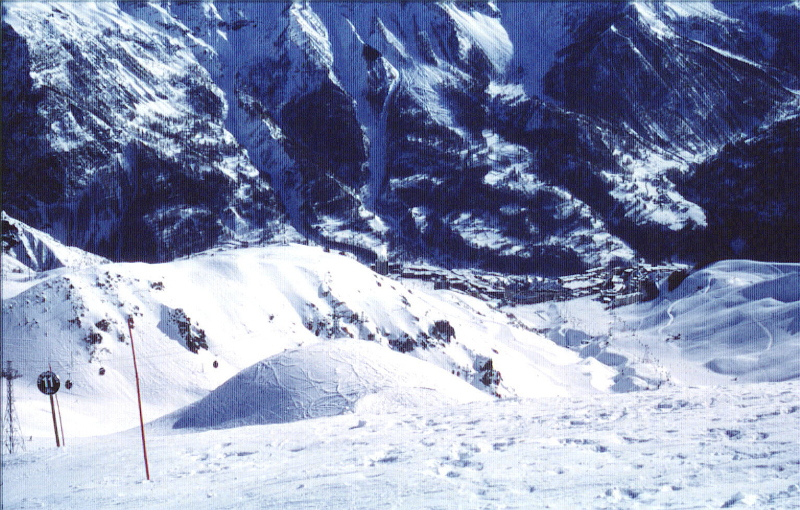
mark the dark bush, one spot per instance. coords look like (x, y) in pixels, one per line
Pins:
(369, 53)
(443, 330)
(103, 325)
(10, 236)
(650, 290)
(94, 338)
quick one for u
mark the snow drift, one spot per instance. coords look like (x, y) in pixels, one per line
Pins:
(324, 379)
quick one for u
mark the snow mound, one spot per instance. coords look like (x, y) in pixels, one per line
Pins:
(325, 379)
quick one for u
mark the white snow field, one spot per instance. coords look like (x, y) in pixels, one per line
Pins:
(295, 398)
(681, 448)
(247, 305)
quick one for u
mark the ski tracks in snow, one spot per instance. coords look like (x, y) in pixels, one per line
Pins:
(677, 449)
(770, 337)
(671, 318)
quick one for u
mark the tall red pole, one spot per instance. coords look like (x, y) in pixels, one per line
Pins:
(139, 396)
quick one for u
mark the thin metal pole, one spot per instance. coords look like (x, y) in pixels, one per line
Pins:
(55, 424)
(139, 397)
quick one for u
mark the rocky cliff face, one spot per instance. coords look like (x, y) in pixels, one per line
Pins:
(521, 137)
(115, 138)
(749, 190)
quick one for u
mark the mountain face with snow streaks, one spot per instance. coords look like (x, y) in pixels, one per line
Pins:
(126, 153)
(220, 172)
(749, 189)
(519, 137)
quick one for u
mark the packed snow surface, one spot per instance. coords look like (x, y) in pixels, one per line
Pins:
(679, 448)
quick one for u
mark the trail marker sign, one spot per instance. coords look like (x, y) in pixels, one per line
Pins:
(48, 383)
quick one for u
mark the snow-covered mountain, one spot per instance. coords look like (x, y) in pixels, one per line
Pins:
(198, 321)
(354, 237)
(521, 137)
(749, 192)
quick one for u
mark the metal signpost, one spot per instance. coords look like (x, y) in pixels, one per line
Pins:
(48, 383)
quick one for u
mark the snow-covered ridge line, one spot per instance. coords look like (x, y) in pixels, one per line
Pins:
(28, 250)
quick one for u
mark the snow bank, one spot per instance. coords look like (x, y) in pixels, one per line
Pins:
(324, 379)
(731, 447)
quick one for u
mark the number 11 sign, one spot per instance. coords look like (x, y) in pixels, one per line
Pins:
(48, 383)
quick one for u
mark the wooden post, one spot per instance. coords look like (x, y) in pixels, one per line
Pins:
(58, 406)
(55, 424)
(139, 397)
(60, 422)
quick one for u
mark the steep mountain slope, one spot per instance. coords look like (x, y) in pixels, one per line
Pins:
(114, 138)
(27, 250)
(749, 189)
(667, 85)
(521, 137)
